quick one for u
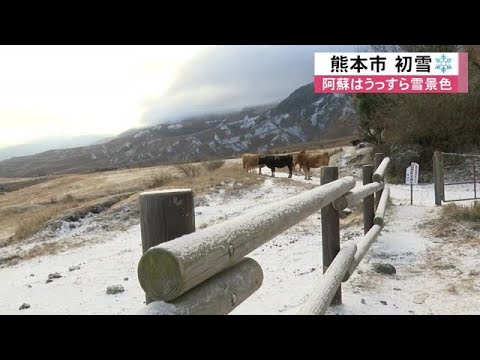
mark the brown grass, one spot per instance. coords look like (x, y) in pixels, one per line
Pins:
(36, 220)
(461, 222)
(161, 179)
(39, 250)
(451, 288)
(462, 213)
(213, 165)
(26, 211)
(48, 249)
(202, 183)
(354, 219)
(189, 170)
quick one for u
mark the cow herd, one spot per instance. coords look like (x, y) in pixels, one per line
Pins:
(305, 160)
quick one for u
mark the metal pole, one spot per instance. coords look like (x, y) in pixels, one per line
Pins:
(474, 179)
(411, 192)
(437, 172)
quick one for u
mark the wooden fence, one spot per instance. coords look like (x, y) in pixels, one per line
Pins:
(207, 271)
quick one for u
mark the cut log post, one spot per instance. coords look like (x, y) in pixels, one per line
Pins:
(322, 296)
(168, 270)
(380, 172)
(378, 160)
(362, 247)
(382, 206)
(219, 295)
(330, 229)
(354, 196)
(164, 216)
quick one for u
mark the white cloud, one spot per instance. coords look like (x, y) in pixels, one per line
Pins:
(231, 77)
(79, 90)
(75, 90)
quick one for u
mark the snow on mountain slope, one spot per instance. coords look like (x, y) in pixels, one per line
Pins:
(303, 116)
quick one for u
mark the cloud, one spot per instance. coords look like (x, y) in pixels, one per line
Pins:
(231, 77)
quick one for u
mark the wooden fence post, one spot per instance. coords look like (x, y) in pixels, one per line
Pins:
(369, 201)
(165, 215)
(378, 160)
(330, 229)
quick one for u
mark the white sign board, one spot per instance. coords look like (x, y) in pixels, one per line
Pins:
(411, 174)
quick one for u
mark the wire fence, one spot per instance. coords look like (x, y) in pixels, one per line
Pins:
(460, 176)
(422, 194)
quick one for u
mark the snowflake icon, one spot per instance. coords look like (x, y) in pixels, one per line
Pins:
(444, 63)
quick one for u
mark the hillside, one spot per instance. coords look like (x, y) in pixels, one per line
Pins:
(49, 143)
(302, 117)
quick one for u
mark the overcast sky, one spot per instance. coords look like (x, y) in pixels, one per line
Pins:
(79, 90)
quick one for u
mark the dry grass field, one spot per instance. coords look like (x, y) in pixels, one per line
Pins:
(25, 211)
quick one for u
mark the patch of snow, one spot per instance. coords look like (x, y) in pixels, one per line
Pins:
(248, 122)
(71, 228)
(232, 140)
(266, 127)
(175, 126)
(239, 146)
(226, 129)
(194, 141)
(141, 133)
(296, 131)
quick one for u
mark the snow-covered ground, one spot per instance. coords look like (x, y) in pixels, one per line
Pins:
(427, 279)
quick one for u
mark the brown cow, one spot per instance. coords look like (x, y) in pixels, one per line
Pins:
(295, 161)
(312, 160)
(250, 161)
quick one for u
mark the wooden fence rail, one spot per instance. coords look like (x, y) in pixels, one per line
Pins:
(382, 206)
(362, 247)
(218, 295)
(354, 196)
(322, 296)
(206, 272)
(381, 169)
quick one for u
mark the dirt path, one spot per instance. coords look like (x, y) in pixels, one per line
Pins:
(433, 276)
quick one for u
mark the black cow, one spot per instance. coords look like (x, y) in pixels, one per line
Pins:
(277, 161)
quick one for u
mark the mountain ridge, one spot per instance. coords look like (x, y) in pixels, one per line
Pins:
(301, 117)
